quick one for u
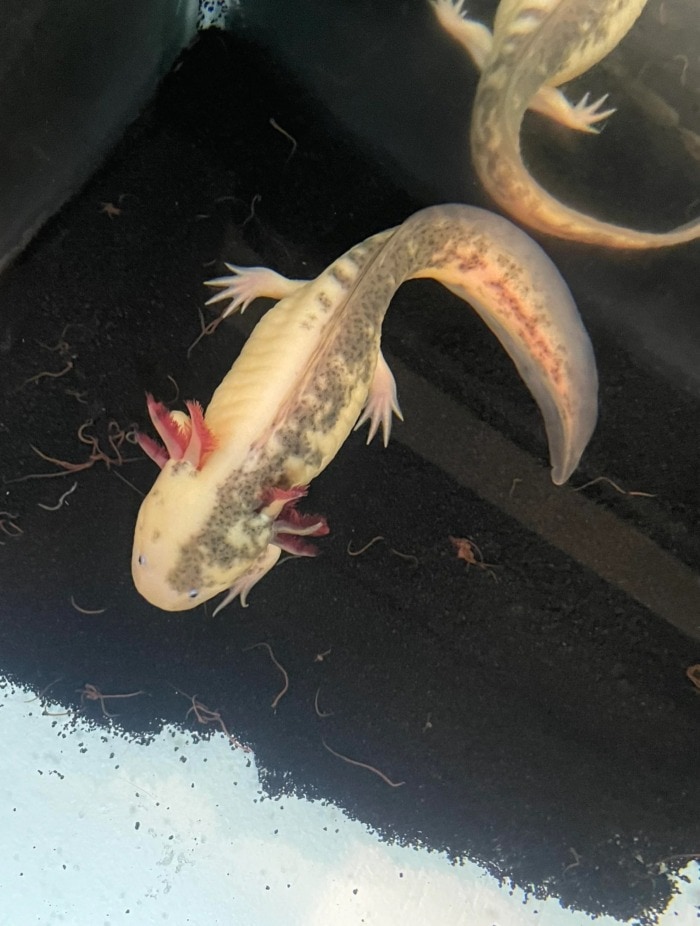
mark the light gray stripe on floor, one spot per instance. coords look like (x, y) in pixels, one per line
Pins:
(477, 456)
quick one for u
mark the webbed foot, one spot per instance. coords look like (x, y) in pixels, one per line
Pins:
(247, 284)
(243, 584)
(381, 402)
(581, 116)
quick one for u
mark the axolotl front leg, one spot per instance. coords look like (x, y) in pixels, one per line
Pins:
(246, 284)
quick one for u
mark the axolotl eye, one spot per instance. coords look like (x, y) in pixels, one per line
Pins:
(142, 560)
(193, 592)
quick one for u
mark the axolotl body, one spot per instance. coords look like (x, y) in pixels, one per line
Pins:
(536, 46)
(224, 505)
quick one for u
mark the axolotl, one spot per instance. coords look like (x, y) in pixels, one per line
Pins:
(536, 46)
(225, 503)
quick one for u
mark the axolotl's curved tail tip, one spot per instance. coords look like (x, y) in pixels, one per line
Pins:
(565, 454)
(522, 297)
(567, 397)
(568, 403)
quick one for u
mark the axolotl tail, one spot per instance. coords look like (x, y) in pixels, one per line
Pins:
(538, 45)
(520, 295)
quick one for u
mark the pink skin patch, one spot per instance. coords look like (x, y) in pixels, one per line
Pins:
(169, 431)
(152, 449)
(191, 441)
(289, 525)
(202, 441)
(293, 527)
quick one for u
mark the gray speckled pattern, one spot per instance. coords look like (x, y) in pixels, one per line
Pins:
(217, 530)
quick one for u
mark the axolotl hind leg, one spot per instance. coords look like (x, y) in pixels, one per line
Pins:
(477, 40)
(382, 402)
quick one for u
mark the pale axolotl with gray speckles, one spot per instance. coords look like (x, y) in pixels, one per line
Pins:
(536, 46)
(224, 505)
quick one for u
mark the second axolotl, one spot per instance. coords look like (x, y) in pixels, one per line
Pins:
(224, 505)
(536, 46)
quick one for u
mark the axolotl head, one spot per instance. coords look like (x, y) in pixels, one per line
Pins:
(192, 540)
(174, 560)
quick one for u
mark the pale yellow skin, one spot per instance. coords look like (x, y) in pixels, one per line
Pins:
(313, 363)
(536, 46)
